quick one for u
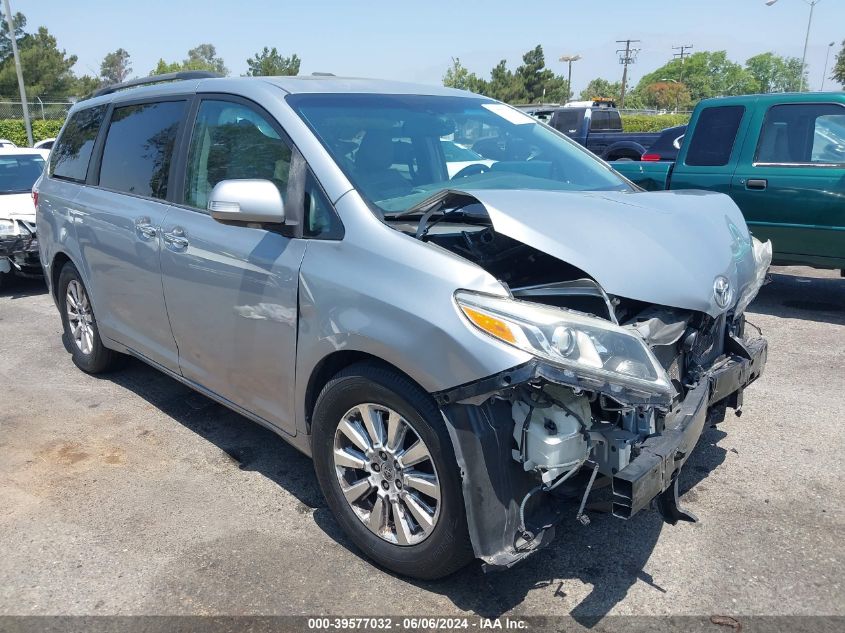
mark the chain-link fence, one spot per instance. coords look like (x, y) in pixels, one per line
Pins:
(38, 109)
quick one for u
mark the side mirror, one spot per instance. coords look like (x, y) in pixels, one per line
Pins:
(249, 201)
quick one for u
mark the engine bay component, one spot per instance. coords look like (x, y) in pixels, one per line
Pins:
(550, 434)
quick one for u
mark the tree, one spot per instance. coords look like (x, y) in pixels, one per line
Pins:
(85, 85)
(599, 87)
(46, 69)
(270, 63)
(203, 57)
(163, 68)
(539, 82)
(774, 73)
(458, 76)
(665, 95)
(115, 67)
(839, 66)
(705, 74)
(504, 85)
(19, 21)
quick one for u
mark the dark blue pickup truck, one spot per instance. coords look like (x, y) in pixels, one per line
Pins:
(597, 126)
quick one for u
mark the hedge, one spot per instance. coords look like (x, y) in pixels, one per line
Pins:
(14, 130)
(652, 122)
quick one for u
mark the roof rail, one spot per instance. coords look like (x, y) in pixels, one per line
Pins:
(155, 79)
(319, 74)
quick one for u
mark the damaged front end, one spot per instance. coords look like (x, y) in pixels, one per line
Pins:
(527, 435)
(19, 248)
(617, 394)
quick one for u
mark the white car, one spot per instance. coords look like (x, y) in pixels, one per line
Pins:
(46, 144)
(19, 169)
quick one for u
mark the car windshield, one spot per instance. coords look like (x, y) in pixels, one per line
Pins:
(391, 147)
(18, 173)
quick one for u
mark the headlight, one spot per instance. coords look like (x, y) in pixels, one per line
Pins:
(588, 346)
(762, 252)
(8, 228)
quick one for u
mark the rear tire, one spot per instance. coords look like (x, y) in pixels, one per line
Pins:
(80, 325)
(431, 549)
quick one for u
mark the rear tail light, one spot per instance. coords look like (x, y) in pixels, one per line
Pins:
(650, 157)
(35, 197)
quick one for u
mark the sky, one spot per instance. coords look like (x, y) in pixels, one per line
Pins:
(415, 41)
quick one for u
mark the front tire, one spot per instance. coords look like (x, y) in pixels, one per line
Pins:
(80, 325)
(387, 469)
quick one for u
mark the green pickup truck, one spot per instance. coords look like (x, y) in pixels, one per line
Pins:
(781, 157)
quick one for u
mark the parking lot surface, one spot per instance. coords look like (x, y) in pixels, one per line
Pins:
(131, 494)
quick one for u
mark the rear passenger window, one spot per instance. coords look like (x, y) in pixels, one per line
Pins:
(715, 133)
(599, 121)
(69, 158)
(139, 147)
(802, 133)
(232, 141)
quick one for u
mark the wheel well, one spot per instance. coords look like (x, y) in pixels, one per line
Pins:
(623, 153)
(59, 262)
(331, 365)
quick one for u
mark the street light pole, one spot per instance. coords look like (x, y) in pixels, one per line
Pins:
(569, 59)
(826, 59)
(18, 70)
(812, 4)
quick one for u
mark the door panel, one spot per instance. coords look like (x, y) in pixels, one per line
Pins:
(119, 240)
(231, 291)
(231, 294)
(800, 209)
(790, 184)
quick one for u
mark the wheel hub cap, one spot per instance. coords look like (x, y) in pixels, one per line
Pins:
(80, 317)
(387, 474)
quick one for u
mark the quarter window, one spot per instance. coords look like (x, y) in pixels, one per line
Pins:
(715, 133)
(231, 141)
(69, 158)
(803, 133)
(139, 148)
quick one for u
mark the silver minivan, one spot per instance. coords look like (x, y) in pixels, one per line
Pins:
(473, 325)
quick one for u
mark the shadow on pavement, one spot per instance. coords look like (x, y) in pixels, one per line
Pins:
(20, 287)
(820, 299)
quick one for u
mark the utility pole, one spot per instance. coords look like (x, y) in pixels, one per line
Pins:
(627, 56)
(21, 87)
(683, 48)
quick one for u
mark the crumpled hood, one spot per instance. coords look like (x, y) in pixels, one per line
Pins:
(662, 247)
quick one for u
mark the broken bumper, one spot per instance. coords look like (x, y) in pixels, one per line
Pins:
(661, 457)
(20, 253)
(481, 429)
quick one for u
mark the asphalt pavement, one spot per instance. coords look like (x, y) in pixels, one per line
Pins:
(130, 494)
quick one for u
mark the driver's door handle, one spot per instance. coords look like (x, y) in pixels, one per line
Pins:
(176, 238)
(758, 184)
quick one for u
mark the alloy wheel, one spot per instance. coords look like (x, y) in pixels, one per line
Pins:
(80, 317)
(387, 474)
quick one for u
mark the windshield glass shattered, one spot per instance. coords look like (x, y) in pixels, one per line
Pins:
(400, 149)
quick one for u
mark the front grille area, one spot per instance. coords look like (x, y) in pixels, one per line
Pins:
(710, 342)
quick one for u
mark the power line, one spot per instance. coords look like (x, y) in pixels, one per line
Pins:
(627, 56)
(683, 48)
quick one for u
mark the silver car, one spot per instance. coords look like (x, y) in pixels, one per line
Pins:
(467, 354)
